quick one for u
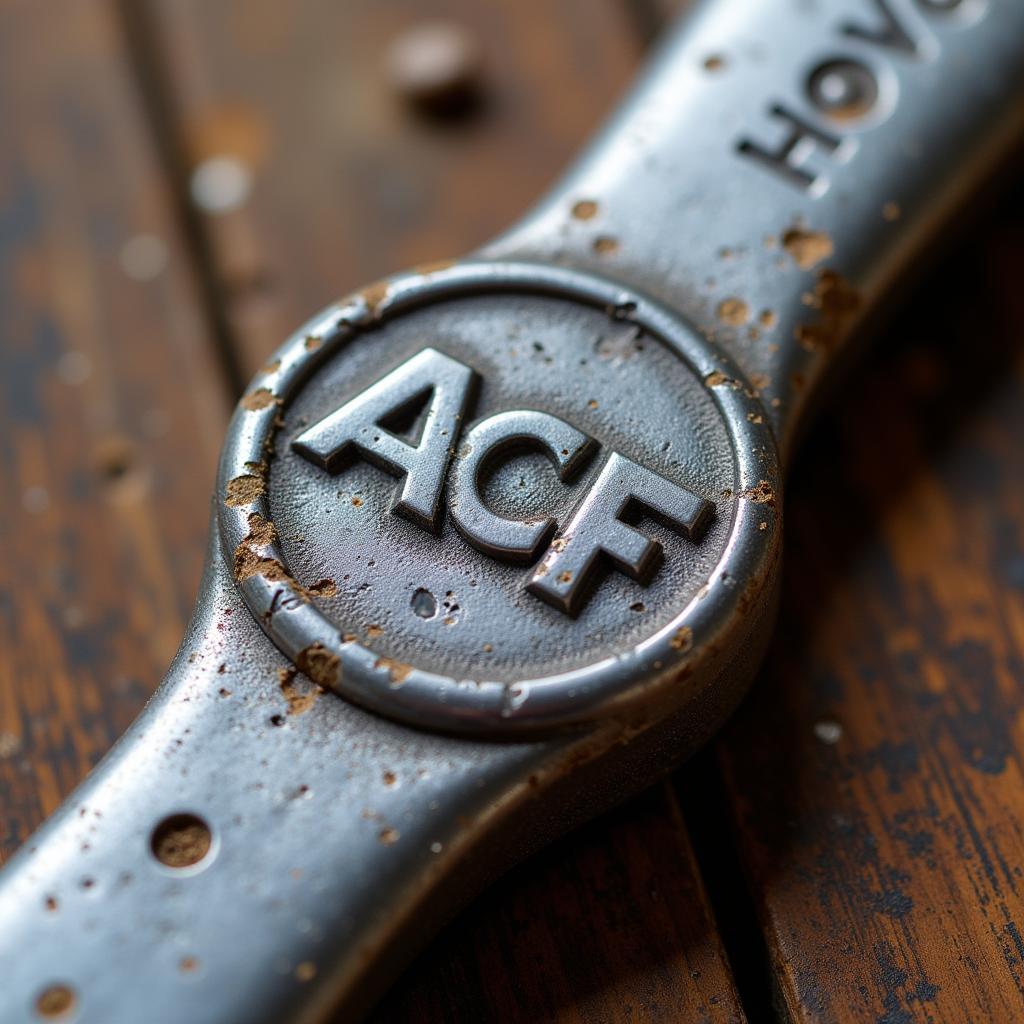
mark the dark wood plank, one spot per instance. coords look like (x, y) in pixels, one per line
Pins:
(613, 924)
(596, 930)
(348, 183)
(876, 773)
(112, 409)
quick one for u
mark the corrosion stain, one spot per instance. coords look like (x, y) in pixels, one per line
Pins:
(398, 671)
(374, 296)
(584, 209)
(320, 664)
(682, 639)
(807, 248)
(55, 1002)
(388, 836)
(734, 312)
(433, 268)
(244, 490)
(258, 400)
(837, 304)
(761, 494)
(605, 245)
(312, 342)
(322, 588)
(299, 701)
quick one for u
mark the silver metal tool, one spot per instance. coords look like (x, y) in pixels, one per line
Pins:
(496, 542)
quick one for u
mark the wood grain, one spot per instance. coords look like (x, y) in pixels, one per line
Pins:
(349, 184)
(875, 774)
(112, 408)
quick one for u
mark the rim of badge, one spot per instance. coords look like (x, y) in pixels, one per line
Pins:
(673, 656)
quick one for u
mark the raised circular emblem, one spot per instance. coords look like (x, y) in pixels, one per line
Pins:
(491, 497)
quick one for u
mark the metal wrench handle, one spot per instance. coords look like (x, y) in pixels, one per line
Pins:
(259, 849)
(781, 164)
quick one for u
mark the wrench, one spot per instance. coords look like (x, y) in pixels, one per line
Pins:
(505, 532)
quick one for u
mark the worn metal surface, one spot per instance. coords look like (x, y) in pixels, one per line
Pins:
(239, 769)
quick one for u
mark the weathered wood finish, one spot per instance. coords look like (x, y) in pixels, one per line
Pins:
(875, 772)
(350, 185)
(112, 409)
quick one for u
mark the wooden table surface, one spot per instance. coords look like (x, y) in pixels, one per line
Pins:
(850, 847)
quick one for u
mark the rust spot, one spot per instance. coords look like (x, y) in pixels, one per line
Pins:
(357, 501)
(248, 564)
(734, 312)
(188, 964)
(398, 671)
(388, 836)
(320, 664)
(435, 267)
(261, 398)
(244, 490)
(374, 295)
(682, 639)
(323, 588)
(605, 245)
(761, 494)
(273, 366)
(767, 319)
(299, 700)
(181, 841)
(306, 971)
(313, 342)
(837, 304)
(807, 248)
(390, 778)
(717, 379)
(374, 631)
(714, 63)
(55, 1002)
(585, 209)
(891, 212)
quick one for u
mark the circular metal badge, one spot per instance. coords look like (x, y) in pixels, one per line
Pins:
(491, 497)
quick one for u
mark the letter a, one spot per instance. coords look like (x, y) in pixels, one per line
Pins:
(363, 428)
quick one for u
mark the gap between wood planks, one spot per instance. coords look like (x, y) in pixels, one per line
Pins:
(149, 67)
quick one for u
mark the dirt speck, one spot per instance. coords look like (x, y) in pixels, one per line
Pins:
(837, 304)
(734, 312)
(188, 964)
(55, 1002)
(323, 588)
(300, 699)
(374, 631)
(682, 639)
(320, 664)
(260, 399)
(585, 209)
(605, 245)
(807, 248)
(891, 212)
(714, 62)
(313, 342)
(398, 671)
(761, 494)
(244, 490)
(388, 836)
(306, 971)
(374, 295)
